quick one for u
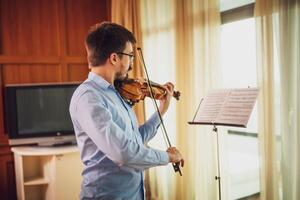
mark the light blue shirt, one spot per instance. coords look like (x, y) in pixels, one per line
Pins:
(111, 143)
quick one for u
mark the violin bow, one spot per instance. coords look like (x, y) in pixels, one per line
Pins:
(176, 166)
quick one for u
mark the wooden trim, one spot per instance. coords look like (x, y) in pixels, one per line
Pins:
(3, 135)
(1, 29)
(6, 153)
(62, 39)
(236, 14)
(42, 59)
(76, 60)
(7, 174)
(4, 140)
(5, 150)
(10, 177)
(108, 10)
(29, 60)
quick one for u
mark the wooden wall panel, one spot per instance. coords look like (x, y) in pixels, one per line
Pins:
(77, 72)
(31, 73)
(80, 16)
(29, 27)
(41, 41)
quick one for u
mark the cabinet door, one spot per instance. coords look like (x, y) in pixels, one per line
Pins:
(67, 176)
(7, 174)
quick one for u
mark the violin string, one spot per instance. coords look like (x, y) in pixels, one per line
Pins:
(176, 166)
(160, 117)
(166, 137)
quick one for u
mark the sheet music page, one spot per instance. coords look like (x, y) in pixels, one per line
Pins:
(238, 107)
(227, 107)
(211, 105)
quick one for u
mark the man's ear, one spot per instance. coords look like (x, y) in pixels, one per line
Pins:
(114, 58)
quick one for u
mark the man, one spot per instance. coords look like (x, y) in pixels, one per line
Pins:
(110, 141)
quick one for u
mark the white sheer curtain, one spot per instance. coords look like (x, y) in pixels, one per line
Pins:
(289, 24)
(278, 24)
(180, 40)
(157, 19)
(127, 13)
(197, 61)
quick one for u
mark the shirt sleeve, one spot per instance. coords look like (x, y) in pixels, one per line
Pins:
(96, 121)
(149, 128)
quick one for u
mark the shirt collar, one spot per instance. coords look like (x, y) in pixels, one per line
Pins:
(99, 80)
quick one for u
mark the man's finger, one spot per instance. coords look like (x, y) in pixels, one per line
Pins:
(170, 84)
(168, 89)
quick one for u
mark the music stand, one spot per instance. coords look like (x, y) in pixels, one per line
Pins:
(225, 107)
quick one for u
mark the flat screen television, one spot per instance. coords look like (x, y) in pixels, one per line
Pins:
(39, 113)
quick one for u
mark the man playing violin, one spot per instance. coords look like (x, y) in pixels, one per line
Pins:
(111, 143)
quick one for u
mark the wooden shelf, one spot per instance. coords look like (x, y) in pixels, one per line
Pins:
(36, 181)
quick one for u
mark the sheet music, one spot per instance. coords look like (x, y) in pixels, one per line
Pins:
(227, 107)
(211, 106)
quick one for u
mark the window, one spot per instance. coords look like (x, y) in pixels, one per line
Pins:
(238, 61)
(232, 4)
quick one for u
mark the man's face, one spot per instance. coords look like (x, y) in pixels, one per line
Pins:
(126, 62)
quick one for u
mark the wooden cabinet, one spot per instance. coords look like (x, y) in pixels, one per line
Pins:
(41, 42)
(47, 172)
(7, 175)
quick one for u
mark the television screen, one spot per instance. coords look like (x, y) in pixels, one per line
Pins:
(38, 110)
(43, 110)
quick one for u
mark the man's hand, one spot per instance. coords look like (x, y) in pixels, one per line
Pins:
(165, 102)
(175, 156)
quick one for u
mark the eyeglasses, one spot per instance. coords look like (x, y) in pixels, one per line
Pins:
(126, 54)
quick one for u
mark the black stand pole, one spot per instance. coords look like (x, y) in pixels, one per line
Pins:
(218, 177)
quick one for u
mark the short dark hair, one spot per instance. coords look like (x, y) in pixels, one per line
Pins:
(106, 38)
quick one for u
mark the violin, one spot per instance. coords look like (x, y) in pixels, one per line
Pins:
(134, 90)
